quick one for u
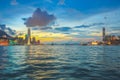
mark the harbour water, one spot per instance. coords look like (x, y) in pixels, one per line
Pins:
(60, 62)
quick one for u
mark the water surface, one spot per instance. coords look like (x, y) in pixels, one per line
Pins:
(60, 62)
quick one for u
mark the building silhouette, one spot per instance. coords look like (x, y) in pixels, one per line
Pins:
(33, 40)
(29, 36)
(103, 34)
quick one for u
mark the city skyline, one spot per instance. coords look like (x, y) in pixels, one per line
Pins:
(75, 20)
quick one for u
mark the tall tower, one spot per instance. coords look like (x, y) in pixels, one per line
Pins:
(29, 36)
(103, 34)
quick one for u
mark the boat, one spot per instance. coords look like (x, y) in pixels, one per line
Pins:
(4, 41)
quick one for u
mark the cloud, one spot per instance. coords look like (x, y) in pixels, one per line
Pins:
(95, 34)
(39, 19)
(63, 29)
(95, 31)
(61, 2)
(95, 24)
(41, 28)
(11, 31)
(7, 29)
(82, 26)
(14, 2)
(115, 28)
(90, 25)
(115, 33)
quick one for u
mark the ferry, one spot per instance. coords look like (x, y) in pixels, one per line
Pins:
(4, 41)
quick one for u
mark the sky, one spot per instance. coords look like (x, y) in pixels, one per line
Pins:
(62, 20)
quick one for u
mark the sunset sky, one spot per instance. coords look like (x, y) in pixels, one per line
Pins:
(71, 20)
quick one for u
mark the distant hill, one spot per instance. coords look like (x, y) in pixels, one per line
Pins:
(2, 33)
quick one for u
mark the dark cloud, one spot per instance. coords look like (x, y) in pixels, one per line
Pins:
(3, 27)
(90, 25)
(42, 28)
(115, 33)
(63, 29)
(2, 33)
(10, 31)
(7, 30)
(96, 24)
(66, 33)
(39, 19)
(82, 26)
(115, 28)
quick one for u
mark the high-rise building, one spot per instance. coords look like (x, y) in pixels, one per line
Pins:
(29, 36)
(33, 40)
(103, 35)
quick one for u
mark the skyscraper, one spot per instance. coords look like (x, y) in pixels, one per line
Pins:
(29, 36)
(103, 34)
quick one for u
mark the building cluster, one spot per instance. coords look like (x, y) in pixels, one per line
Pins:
(112, 40)
(8, 40)
(18, 41)
(107, 39)
(22, 41)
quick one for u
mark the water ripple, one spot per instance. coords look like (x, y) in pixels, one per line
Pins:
(60, 62)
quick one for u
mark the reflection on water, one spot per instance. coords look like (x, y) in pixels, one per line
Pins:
(60, 62)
